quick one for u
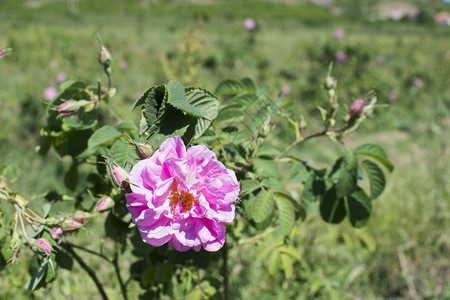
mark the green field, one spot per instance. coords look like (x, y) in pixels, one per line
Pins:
(402, 253)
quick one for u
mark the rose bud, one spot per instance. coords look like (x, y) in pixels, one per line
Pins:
(357, 108)
(70, 225)
(105, 204)
(45, 245)
(120, 176)
(104, 57)
(56, 232)
(71, 106)
(144, 150)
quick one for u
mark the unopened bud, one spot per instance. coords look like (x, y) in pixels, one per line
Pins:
(104, 57)
(52, 222)
(1, 53)
(120, 176)
(45, 245)
(82, 216)
(144, 150)
(105, 204)
(56, 233)
(70, 225)
(357, 108)
(71, 106)
(15, 243)
(330, 82)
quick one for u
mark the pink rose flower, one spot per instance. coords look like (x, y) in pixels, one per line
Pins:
(105, 204)
(339, 34)
(249, 24)
(342, 57)
(285, 89)
(50, 92)
(182, 196)
(357, 108)
(44, 244)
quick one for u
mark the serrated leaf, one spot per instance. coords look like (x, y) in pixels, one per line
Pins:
(177, 98)
(288, 268)
(122, 153)
(274, 261)
(286, 215)
(299, 172)
(230, 87)
(230, 115)
(332, 208)
(248, 186)
(265, 167)
(348, 176)
(243, 100)
(127, 127)
(37, 278)
(376, 152)
(267, 151)
(103, 136)
(376, 178)
(262, 206)
(154, 105)
(249, 85)
(262, 93)
(359, 208)
(259, 118)
(208, 103)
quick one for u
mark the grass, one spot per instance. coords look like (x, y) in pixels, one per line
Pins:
(410, 225)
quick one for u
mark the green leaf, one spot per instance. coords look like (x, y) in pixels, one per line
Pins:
(230, 87)
(154, 106)
(36, 279)
(299, 172)
(288, 268)
(375, 152)
(265, 167)
(332, 208)
(230, 115)
(262, 206)
(274, 261)
(376, 178)
(103, 136)
(206, 102)
(262, 93)
(359, 208)
(177, 98)
(244, 100)
(195, 294)
(348, 176)
(122, 153)
(286, 215)
(259, 118)
(249, 85)
(248, 186)
(295, 253)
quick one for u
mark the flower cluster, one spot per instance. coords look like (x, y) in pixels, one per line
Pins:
(183, 197)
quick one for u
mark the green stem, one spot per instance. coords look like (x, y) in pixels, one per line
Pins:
(84, 266)
(115, 262)
(225, 271)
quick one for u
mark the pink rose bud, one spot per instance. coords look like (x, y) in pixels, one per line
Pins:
(340, 56)
(143, 150)
(104, 57)
(249, 24)
(56, 232)
(120, 176)
(71, 225)
(68, 108)
(357, 108)
(1, 53)
(105, 204)
(339, 34)
(44, 244)
(80, 219)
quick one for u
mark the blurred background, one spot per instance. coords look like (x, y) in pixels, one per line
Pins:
(399, 49)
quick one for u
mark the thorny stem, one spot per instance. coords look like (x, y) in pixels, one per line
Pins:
(91, 273)
(115, 262)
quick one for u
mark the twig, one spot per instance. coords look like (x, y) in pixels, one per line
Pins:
(91, 273)
(225, 271)
(115, 262)
(91, 252)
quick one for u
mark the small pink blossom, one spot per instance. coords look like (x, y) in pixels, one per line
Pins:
(183, 197)
(393, 96)
(357, 108)
(1, 53)
(56, 232)
(285, 89)
(339, 34)
(53, 64)
(105, 204)
(71, 225)
(44, 244)
(123, 64)
(340, 56)
(60, 77)
(50, 92)
(80, 219)
(418, 81)
(249, 24)
(120, 176)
